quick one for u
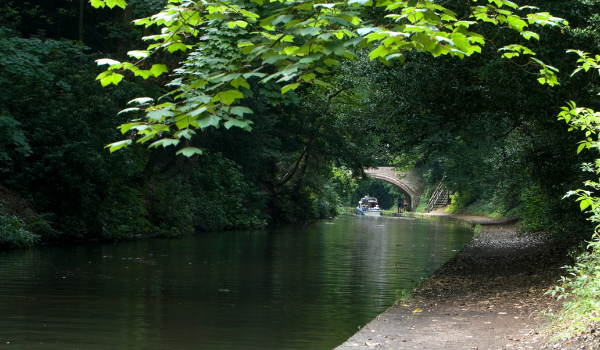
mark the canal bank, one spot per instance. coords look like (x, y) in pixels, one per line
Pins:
(488, 296)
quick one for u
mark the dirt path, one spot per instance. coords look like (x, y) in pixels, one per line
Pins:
(489, 296)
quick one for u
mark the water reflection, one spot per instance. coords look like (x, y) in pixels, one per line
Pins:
(286, 288)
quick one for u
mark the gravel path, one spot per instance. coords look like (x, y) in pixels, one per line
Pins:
(489, 296)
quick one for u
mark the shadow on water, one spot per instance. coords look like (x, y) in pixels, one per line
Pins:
(283, 288)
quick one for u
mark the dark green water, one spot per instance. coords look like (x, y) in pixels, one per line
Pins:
(287, 288)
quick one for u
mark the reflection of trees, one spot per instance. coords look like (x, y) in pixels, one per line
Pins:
(286, 285)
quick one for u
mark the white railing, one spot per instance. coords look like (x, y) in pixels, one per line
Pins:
(438, 194)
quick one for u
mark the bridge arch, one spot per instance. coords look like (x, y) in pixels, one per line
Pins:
(398, 185)
(410, 183)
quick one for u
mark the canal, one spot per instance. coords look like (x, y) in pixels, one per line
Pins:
(289, 287)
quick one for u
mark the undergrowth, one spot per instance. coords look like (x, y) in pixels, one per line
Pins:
(461, 203)
(477, 230)
(581, 291)
(14, 232)
(402, 296)
(581, 287)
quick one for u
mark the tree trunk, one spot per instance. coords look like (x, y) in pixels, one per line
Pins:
(302, 173)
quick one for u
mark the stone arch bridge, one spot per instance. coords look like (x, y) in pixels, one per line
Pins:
(410, 183)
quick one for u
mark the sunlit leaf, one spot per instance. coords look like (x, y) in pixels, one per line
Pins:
(289, 87)
(141, 100)
(118, 145)
(108, 61)
(158, 69)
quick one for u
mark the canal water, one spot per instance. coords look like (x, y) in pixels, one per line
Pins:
(285, 288)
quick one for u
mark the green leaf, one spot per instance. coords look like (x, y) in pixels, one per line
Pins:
(116, 78)
(282, 19)
(106, 81)
(209, 120)
(366, 30)
(165, 143)
(311, 58)
(380, 51)
(461, 42)
(310, 31)
(516, 23)
(228, 97)
(331, 62)
(97, 3)
(240, 123)
(160, 114)
(528, 35)
(108, 61)
(289, 87)
(158, 69)
(236, 83)
(138, 54)
(329, 6)
(126, 127)
(141, 100)
(337, 47)
(234, 24)
(197, 111)
(319, 82)
(176, 46)
(118, 145)
(584, 204)
(240, 111)
(360, 2)
(112, 3)
(189, 151)
(143, 73)
(309, 77)
(126, 110)
(185, 133)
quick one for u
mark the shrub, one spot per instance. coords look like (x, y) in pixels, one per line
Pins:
(13, 233)
(581, 292)
(535, 208)
(460, 200)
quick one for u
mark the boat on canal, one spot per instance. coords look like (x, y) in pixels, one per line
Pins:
(368, 206)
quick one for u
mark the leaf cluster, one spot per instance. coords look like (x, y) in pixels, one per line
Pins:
(294, 43)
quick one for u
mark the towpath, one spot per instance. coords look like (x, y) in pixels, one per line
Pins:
(489, 296)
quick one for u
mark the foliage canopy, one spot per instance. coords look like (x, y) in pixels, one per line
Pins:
(228, 45)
